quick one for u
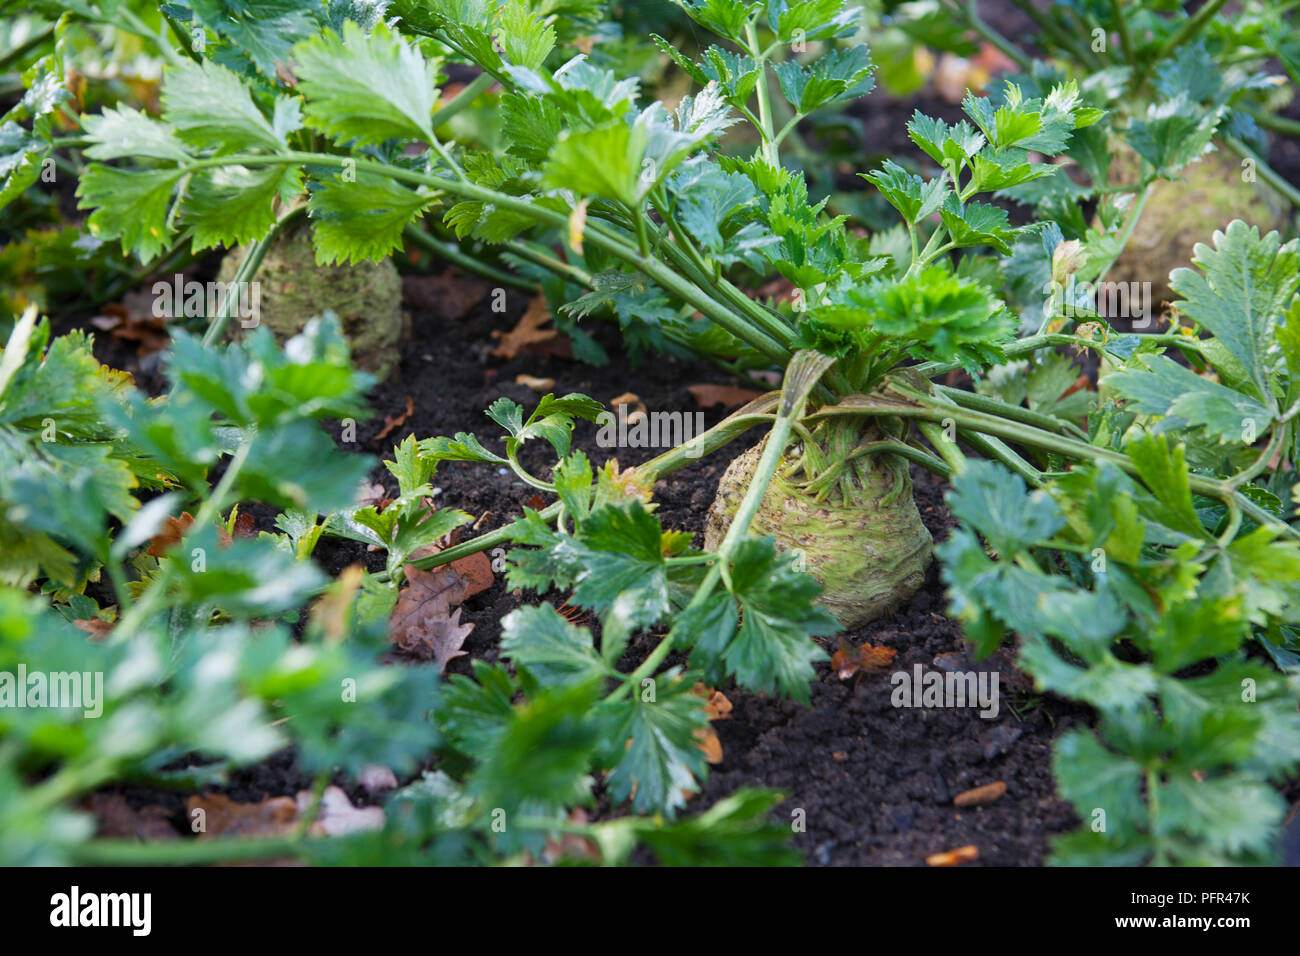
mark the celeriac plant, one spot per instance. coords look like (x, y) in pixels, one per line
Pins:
(1130, 557)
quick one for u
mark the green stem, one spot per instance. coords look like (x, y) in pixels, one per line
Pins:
(452, 253)
(1027, 435)
(252, 261)
(1279, 124)
(1274, 443)
(1129, 225)
(970, 13)
(1153, 809)
(190, 852)
(947, 450)
(982, 403)
(800, 377)
(1264, 170)
(998, 450)
(1125, 38)
(770, 151)
(539, 258)
(461, 100)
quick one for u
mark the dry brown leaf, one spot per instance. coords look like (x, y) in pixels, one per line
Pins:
(539, 385)
(119, 820)
(706, 396)
(716, 704)
(528, 331)
(449, 297)
(963, 854)
(868, 659)
(96, 627)
(572, 845)
(979, 796)
(173, 529)
(707, 740)
(393, 421)
(245, 527)
(132, 320)
(423, 624)
(371, 494)
(225, 817)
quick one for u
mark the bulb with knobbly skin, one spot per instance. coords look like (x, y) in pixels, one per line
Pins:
(870, 554)
(366, 297)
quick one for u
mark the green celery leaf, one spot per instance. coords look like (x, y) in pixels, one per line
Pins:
(367, 88)
(362, 220)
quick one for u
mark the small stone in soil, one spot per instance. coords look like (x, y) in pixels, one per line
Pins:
(999, 739)
(903, 819)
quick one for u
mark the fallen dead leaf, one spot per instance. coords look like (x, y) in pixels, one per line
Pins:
(706, 396)
(132, 320)
(867, 659)
(96, 627)
(1081, 384)
(245, 526)
(963, 854)
(978, 796)
(449, 297)
(716, 704)
(371, 494)
(119, 820)
(572, 845)
(539, 385)
(393, 421)
(527, 333)
(174, 529)
(424, 624)
(706, 739)
(225, 817)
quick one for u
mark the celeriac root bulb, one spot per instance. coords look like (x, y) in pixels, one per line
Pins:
(870, 553)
